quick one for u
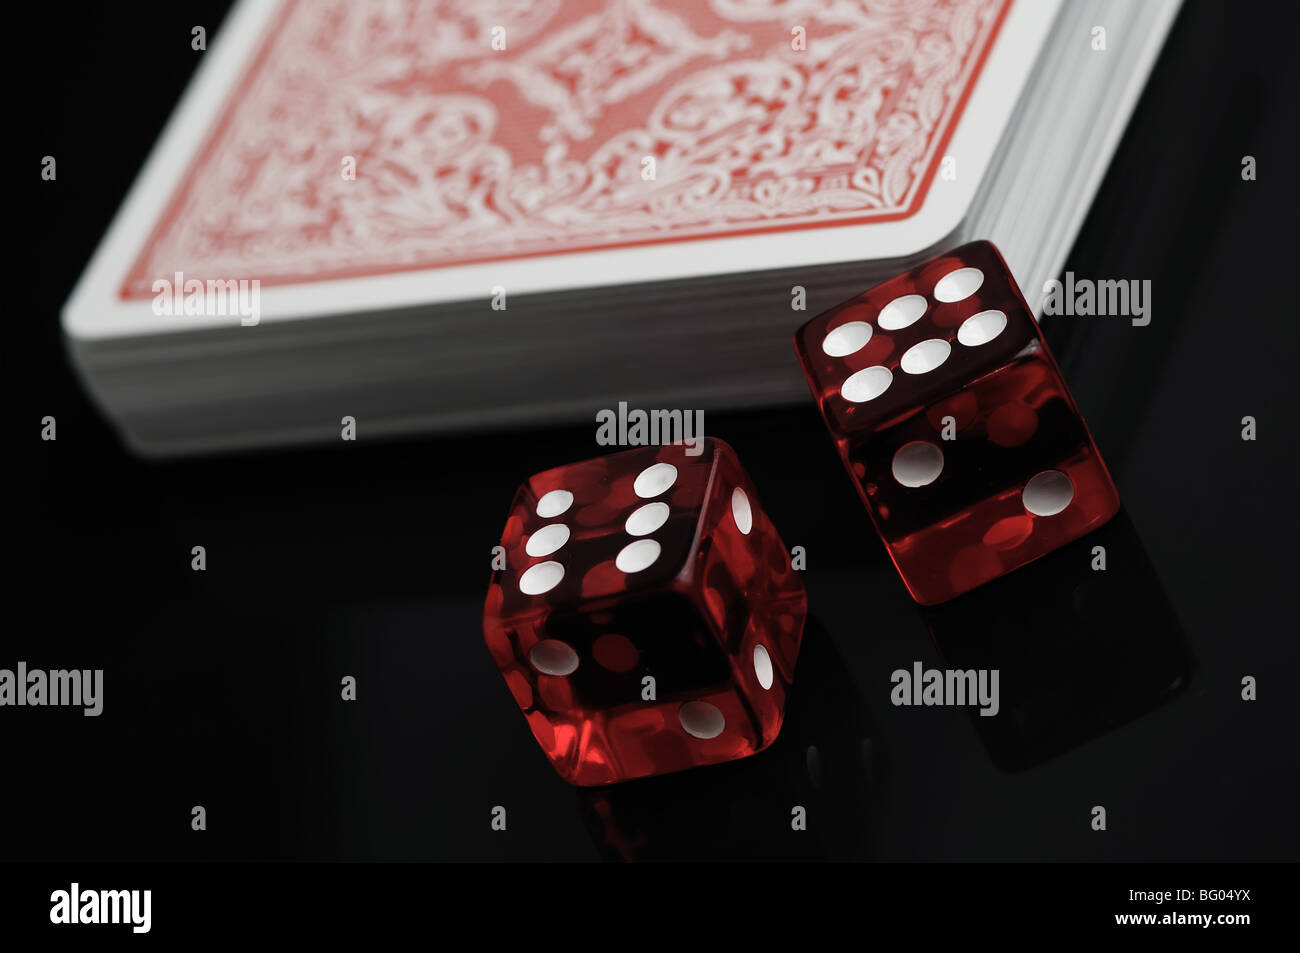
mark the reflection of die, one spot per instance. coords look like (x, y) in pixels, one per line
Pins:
(1114, 632)
(648, 618)
(955, 423)
(828, 760)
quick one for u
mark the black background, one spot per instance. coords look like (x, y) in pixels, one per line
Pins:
(371, 560)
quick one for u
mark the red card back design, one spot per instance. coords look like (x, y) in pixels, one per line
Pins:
(601, 124)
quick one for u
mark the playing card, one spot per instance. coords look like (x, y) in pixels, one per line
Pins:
(356, 157)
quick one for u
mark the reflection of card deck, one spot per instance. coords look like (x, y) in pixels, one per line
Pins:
(629, 201)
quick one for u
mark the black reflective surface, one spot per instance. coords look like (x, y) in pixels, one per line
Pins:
(222, 688)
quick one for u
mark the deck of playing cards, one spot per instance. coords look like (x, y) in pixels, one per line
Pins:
(430, 215)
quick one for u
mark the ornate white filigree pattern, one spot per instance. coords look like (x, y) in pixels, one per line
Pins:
(468, 154)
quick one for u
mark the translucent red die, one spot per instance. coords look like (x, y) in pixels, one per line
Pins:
(648, 617)
(955, 424)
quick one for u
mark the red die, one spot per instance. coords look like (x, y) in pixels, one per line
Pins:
(955, 423)
(648, 568)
